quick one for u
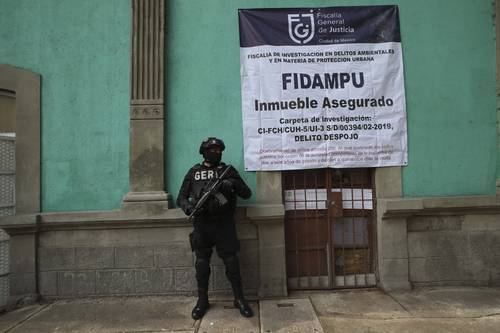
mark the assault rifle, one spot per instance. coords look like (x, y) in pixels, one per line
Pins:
(211, 189)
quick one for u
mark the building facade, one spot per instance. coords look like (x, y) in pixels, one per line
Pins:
(105, 104)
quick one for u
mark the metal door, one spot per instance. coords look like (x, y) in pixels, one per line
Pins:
(329, 228)
(7, 152)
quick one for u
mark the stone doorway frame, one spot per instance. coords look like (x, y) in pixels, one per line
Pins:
(26, 86)
(391, 265)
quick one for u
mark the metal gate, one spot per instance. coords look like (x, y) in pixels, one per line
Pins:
(7, 152)
(7, 174)
(329, 228)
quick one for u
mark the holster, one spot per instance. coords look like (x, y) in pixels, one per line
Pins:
(192, 241)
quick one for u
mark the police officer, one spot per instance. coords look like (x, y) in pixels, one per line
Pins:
(214, 224)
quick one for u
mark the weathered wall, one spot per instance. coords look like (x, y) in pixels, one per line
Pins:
(119, 254)
(458, 249)
(22, 264)
(81, 51)
(115, 265)
(497, 33)
(449, 58)
(439, 241)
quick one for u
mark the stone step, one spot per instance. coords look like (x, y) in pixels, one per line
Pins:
(288, 315)
(222, 317)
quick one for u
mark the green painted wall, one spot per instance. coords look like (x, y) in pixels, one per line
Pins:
(498, 162)
(449, 56)
(449, 49)
(81, 50)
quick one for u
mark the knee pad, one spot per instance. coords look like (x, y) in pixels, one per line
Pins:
(231, 259)
(202, 266)
(232, 265)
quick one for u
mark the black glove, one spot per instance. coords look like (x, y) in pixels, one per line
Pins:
(226, 186)
(189, 210)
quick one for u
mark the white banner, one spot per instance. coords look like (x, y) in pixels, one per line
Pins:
(335, 100)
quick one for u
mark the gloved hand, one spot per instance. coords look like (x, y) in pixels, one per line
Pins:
(226, 186)
(189, 210)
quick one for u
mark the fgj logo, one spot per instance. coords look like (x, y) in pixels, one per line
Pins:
(301, 27)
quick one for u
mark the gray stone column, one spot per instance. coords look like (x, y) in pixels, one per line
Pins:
(392, 238)
(147, 109)
(268, 214)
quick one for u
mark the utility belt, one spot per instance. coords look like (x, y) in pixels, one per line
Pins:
(211, 219)
(213, 225)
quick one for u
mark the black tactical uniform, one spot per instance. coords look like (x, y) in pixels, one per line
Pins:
(214, 224)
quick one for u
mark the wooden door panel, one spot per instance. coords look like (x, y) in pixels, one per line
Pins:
(329, 222)
(312, 262)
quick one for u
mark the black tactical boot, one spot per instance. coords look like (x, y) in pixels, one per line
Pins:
(200, 308)
(245, 309)
(202, 266)
(234, 276)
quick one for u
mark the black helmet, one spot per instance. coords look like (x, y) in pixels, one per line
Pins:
(211, 142)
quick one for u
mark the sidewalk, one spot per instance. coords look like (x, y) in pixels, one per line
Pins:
(452, 309)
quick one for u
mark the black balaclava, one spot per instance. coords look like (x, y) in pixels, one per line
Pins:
(212, 157)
